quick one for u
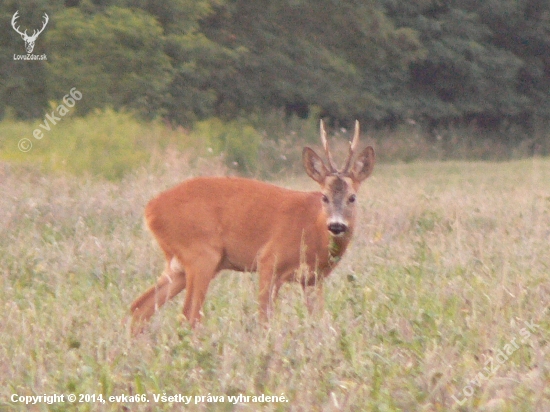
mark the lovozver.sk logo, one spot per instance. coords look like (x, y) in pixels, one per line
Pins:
(29, 40)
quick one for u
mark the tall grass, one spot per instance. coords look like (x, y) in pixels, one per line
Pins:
(448, 263)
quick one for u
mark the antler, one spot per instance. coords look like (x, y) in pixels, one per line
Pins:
(15, 17)
(46, 20)
(352, 148)
(327, 150)
(24, 34)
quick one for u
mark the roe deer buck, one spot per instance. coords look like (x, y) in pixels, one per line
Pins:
(208, 224)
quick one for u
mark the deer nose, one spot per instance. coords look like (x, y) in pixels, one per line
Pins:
(337, 228)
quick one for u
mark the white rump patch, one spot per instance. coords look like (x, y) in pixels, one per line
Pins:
(175, 265)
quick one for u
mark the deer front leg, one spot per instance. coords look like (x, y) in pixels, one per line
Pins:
(314, 296)
(266, 295)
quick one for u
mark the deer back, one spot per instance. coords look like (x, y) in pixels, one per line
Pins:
(243, 218)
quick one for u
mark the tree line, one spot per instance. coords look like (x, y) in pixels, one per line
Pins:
(437, 63)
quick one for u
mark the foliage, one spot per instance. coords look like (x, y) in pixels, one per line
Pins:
(22, 83)
(236, 141)
(523, 28)
(108, 144)
(463, 73)
(120, 54)
(441, 64)
(113, 144)
(333, 55)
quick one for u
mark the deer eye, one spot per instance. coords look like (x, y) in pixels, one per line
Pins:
(352, 198)
(325, 199)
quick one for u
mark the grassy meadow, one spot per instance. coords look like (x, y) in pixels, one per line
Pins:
(441, 303)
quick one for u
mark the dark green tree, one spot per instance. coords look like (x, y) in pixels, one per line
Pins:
(465, 75)
(522, 27)
(115, 58)
(23, 82)
(341, 56)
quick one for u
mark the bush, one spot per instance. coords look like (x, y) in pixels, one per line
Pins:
(237, 141)
(104, 143)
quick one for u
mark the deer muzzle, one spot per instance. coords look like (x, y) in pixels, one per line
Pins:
(337, 228)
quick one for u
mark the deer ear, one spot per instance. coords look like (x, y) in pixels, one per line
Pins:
(314, 165)
(363, 165)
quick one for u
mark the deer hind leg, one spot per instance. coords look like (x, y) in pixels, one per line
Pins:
(199, 274)
(169, 284)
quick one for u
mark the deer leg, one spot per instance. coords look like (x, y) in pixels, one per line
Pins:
(199, 274)
(265, 297)
(314, 296)
(169, 284)
(270, 284)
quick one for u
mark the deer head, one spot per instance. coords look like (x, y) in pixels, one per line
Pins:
(29, 40)
(339, 186)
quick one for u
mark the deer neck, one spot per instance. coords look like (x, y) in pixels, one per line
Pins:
(337, 245)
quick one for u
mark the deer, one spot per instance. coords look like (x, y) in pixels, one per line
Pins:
(29, 40)
(207, 224)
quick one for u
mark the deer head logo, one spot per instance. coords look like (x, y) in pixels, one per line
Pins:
(29, 40)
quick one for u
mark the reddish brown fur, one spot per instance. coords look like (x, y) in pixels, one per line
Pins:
(208, 224)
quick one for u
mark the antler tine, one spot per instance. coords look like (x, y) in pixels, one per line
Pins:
(13, 19)
(352, 147)
(325, 146)
(46, 20)
(37, 32)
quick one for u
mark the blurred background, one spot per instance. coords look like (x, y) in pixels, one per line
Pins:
(248, 80)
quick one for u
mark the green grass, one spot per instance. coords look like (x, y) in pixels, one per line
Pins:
(112, 145)
(106, 144)
(448, 262)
